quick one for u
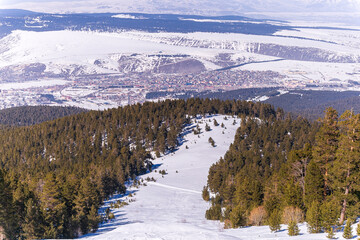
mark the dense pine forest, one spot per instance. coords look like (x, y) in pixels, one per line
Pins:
(30, 115)
(287, 171)
(55, 175)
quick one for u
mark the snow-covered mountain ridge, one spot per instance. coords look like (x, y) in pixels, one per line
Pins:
(202, 7)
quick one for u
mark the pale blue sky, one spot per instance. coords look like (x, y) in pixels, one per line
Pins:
(24, 1)
(339, 10)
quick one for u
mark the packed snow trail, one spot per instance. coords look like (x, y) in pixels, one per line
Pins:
(172, 207)
(174, 188)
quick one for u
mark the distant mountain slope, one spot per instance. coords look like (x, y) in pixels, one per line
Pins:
(312, 104)
(203, 7)
(30, 115)
(308, 103)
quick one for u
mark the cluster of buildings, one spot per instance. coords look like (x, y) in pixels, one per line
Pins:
(111, 90)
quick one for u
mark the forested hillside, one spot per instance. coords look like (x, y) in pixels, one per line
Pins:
(30, 115)
(55, 175)
(288, 171)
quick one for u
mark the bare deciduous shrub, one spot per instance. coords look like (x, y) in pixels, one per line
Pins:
(292, 214)
(257, 216)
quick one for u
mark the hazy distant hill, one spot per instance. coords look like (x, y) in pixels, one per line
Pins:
(30, 115)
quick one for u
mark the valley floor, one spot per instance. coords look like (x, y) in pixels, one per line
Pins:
(172, 207)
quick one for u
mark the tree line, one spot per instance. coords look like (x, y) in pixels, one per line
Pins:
(30, 115)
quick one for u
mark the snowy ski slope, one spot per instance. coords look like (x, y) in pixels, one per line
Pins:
(172, 207)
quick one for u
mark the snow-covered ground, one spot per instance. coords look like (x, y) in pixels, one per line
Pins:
(32, 84)
(172, 207)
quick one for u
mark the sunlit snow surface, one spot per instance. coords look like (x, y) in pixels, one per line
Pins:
(172, 207)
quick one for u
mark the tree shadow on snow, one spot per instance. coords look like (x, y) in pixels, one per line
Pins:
(110, 225)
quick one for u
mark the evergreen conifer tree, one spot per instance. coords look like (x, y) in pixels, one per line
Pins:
(329, 214)
(293, 229)
(93, 219)
(346, 169)
(327, 144)
(313, 218)
(348, 230)
(314, 184)
(211, 141)
(32, 227)
(8, 218)
(274, 221)
(205, 194)
(53, 207)
(330, 233)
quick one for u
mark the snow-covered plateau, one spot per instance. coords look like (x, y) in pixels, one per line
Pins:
(307, 55)
(172, 207)
(100, 69)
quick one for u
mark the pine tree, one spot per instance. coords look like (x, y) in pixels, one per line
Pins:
(8, 218)
(348, 230)
(346, 169)
(274, 221)
(314, 184)
(329, 214)
(93, 219)
(205, 194)
(292, 194)
(299, 160)
(211, 141)
(327, 144)
(53, 207)
(32, 227)
(293, 229)
(237, 217)
(313, 218)
(330, 233)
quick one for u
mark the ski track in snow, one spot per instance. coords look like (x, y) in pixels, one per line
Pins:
(175, 188)
(172, 207)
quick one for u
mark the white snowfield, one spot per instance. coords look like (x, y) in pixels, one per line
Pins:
(172, 207)
(70, 51)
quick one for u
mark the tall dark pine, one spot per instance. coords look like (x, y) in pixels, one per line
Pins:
(32, 227)
(53, 207)
(8, 218)
(326, 144)
(314, 184)
(345, 172)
